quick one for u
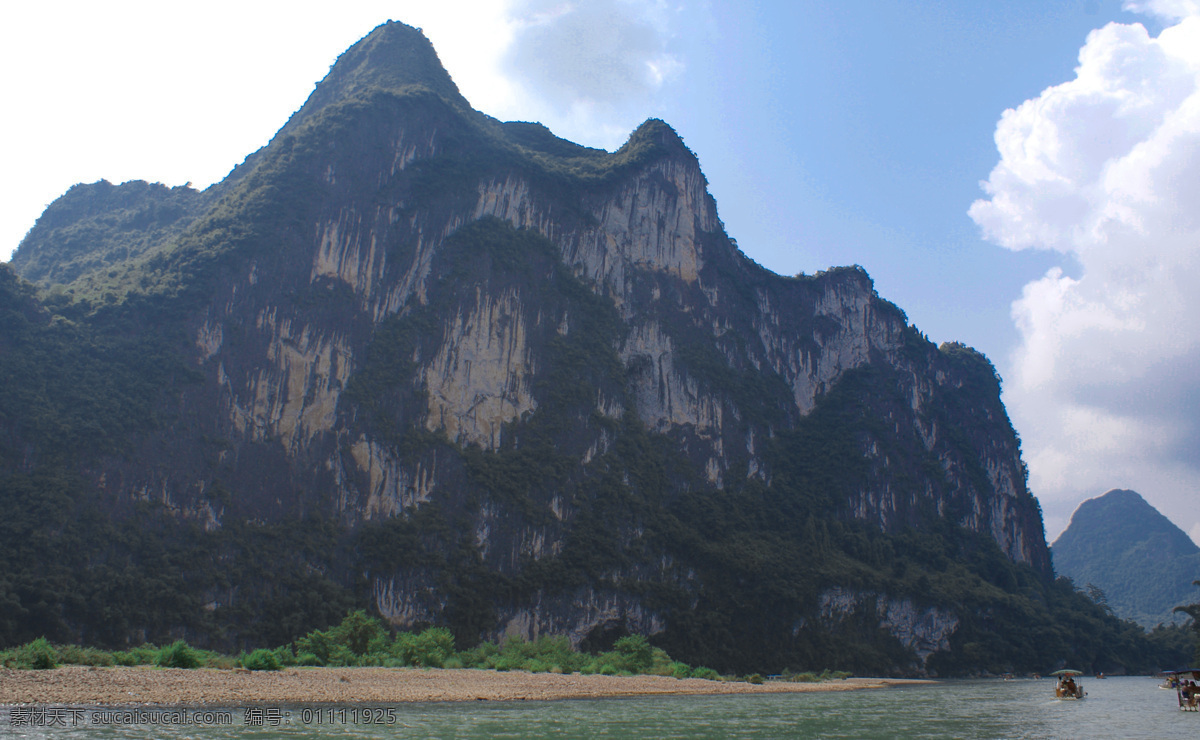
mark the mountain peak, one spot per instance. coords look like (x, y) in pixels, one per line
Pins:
(1125, 511)
(657, 134)
(394, 56)
(1120, 543)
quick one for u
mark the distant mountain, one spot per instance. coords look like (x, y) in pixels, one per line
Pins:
(1122, 545)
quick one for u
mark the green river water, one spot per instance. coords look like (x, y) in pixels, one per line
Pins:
(1022, 708)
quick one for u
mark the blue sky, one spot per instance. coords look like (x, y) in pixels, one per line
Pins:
(831, 133)
(859, 131)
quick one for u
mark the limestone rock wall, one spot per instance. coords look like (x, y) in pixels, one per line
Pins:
(925, 631)
(578, 614)
(643, 244)
(480, 378)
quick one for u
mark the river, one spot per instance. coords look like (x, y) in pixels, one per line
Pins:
(1021, 708)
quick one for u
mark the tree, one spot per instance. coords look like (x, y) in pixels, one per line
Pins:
(1193, 611)
(1096, 594)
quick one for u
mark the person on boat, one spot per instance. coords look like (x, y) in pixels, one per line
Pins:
(1069, 684)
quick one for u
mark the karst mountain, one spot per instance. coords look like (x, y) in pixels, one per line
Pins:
(460, 372)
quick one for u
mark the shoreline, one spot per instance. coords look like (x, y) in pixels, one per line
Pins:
(147, 686)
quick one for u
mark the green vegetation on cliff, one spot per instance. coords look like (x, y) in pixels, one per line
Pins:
(94, 227)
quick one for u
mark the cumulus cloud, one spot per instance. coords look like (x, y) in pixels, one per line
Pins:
(1170, 10)
(593, 67)
(1105, 387)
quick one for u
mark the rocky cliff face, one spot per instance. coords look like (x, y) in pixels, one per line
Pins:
(401, 304)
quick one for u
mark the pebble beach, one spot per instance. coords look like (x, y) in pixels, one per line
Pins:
(91, 686)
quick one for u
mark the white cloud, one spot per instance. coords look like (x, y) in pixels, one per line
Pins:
(1171, 10)
(590, 70)
(1106, 388)
(602, 51)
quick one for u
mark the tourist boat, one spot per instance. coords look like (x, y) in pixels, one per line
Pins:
(1067, 688)
(1186, 690)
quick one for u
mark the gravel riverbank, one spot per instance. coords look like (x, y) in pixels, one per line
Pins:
(83, 685)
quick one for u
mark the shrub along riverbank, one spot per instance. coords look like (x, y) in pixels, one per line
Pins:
(361, 640)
